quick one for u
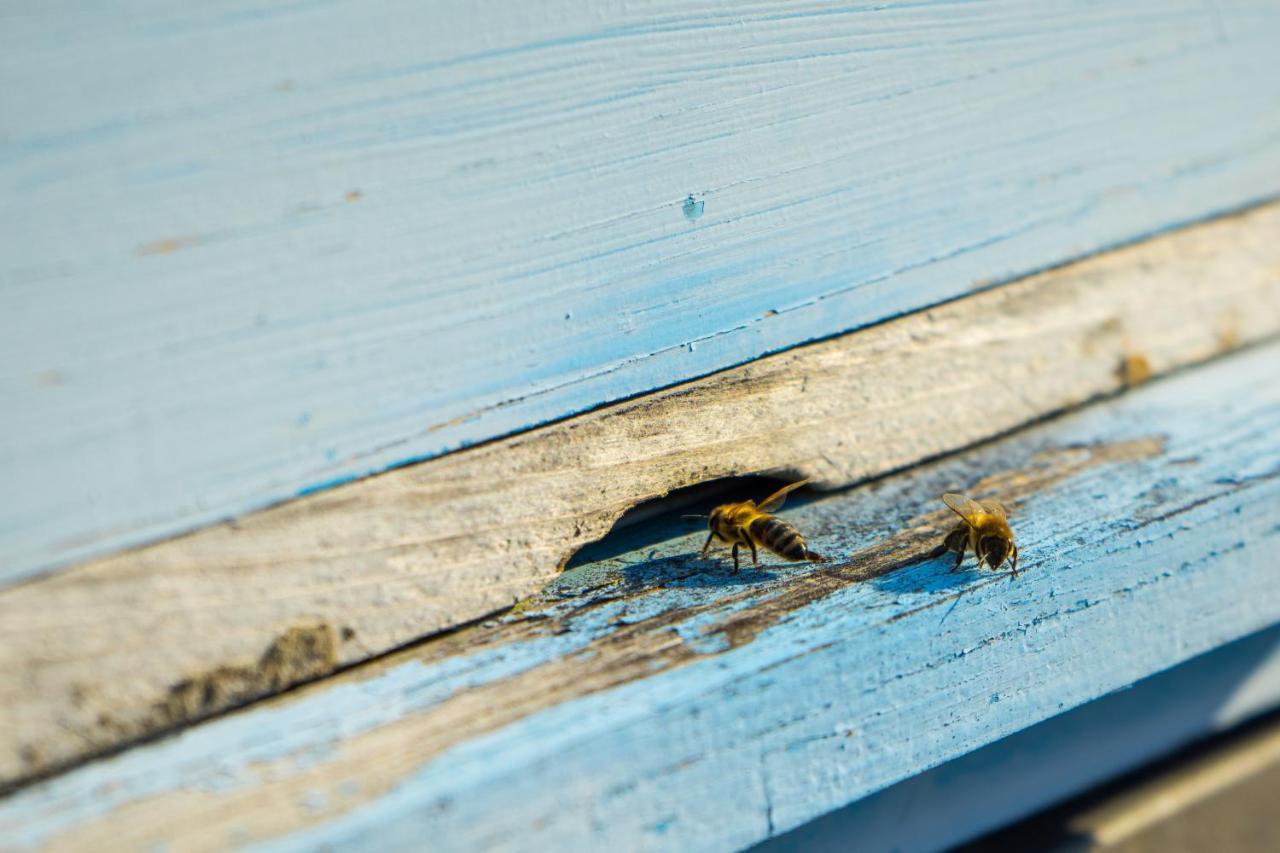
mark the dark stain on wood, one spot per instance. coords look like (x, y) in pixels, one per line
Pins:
(300, 654)
(1134, 369)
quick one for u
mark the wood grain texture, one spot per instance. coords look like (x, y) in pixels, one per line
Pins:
(653, 700)
(255, 250)
(147, 641)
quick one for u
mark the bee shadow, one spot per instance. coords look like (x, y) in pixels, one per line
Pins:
(656, 526)
(689, 570)
(927, 574)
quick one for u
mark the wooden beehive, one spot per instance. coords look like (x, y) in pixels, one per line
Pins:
(333, 334)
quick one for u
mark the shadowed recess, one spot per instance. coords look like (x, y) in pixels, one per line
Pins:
(667, 517)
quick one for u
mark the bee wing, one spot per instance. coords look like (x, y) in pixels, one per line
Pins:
(964, 507)
(774, 502)
(995, 508)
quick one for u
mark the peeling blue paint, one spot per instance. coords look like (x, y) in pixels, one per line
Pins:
(873, 683)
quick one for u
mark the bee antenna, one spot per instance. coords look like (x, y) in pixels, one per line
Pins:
(695, 516)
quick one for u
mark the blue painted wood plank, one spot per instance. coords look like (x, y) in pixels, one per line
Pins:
(651, 699)
(255, 250)
(1055, 760)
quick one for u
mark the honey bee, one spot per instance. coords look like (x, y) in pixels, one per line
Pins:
(984, 528)
(747, 524)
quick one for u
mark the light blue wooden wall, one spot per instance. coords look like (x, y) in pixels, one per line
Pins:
(253, 248)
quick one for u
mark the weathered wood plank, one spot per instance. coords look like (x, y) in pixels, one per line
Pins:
(655, 700)
(1062, 757)
(146, 641)
(254, 250)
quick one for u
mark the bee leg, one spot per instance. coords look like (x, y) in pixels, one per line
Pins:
(1013, 561)
(707, 544)
(754, 560)
(735, 558)
(957, 540)
(936, 552)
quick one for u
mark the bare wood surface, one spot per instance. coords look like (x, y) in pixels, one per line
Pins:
(147, 641)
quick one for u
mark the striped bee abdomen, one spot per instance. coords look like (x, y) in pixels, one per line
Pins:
(780, 538)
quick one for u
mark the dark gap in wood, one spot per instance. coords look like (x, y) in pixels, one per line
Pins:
(659, 519)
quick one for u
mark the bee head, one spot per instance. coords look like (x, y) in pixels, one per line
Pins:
(993, 549)
(716, 517)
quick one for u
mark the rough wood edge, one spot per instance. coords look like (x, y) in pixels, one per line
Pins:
(143, 642)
